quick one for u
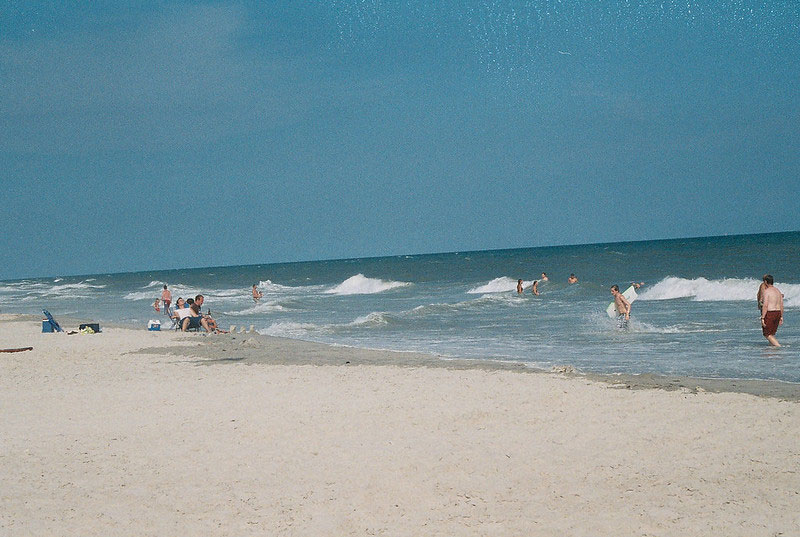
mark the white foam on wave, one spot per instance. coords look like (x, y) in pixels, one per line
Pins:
(261, 307)
(73, 286)
(266, 286)
(291, 329)
(727, 289)
(45, 290)
(502, 284)
(142, 295)
(185, 291)
(153, 283)
(361, 285)
(375, 318)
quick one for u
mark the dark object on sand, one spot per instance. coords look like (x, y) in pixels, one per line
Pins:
(53, 323)
(17, 350)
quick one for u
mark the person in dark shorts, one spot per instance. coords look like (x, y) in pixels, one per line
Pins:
(195, 320)
(771, 310)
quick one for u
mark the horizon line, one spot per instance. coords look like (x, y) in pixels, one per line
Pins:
(452, 252)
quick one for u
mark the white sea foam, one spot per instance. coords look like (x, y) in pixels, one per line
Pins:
(502, 284)
(261, 307)
(266, 286)
(361, 285)
(142, 295)
(374, 318)
(185, 291)
(71, 286)
(291, 329)
(704, 290)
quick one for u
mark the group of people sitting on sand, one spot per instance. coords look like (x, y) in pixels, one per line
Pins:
(187, 314)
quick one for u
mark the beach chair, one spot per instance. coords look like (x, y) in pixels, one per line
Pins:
(182, 314)
(53, 322)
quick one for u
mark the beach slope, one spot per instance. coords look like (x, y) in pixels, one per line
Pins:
(103, 434)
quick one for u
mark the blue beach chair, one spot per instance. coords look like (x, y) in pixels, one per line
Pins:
(53, 322)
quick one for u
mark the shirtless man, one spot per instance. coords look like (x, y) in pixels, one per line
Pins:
(544, 277)
(519, 287)
(623, 307)
(166, 298)
(572, 279)
(771, 310)
(256, 294)
(760, 293)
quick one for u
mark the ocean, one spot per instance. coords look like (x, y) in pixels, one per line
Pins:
(695, 316)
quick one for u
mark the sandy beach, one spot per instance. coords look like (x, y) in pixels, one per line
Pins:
(137, 433)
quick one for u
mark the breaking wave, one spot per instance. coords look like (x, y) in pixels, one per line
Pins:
(292, 329)
(727, 289)
(503, 284)
(361, 285)
(261, 307)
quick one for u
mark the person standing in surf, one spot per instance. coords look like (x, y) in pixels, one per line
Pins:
(623, 307)
(166, 298)
(761, 288)
(519, 287)
(535, 287)
(771, 310)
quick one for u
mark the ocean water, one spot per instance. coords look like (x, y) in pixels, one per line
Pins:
(696, 314)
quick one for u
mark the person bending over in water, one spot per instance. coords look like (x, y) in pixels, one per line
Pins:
(572, 278)
(623, 307)
(519, 287)
(771, 310)
(256, 294)
(535, 288)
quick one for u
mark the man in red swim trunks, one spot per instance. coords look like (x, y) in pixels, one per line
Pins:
(771, 310)
(166, 298)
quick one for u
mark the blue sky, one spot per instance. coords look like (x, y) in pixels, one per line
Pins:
(169, 134)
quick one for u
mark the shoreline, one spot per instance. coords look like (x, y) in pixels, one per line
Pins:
(249, 349)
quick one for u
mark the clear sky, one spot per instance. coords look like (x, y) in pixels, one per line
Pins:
(154, 135)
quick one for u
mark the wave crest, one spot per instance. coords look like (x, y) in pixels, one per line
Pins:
(727, 289)
(361, 285)
(502, 284)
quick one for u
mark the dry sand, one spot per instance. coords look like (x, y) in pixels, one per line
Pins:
(136, 433)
